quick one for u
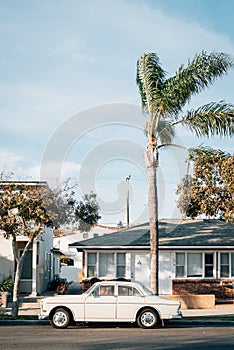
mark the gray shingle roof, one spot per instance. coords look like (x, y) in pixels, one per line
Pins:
(172, 233)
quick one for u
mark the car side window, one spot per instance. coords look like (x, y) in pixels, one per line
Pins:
(106, 290)
(128, 291)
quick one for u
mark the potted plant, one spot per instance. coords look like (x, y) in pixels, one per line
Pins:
(6, 288)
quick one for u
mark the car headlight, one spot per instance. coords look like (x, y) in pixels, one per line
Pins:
(179, 307)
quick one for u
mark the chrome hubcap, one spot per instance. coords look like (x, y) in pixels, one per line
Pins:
(147, 319)
(59, 318)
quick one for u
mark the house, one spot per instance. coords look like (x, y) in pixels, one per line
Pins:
(71, 266)
(40, 264)
(195, 256)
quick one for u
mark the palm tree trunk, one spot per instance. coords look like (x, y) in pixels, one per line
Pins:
(151, 159)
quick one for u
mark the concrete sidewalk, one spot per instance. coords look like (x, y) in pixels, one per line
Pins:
(219, 310)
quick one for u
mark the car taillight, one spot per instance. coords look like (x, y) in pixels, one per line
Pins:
(43, 306)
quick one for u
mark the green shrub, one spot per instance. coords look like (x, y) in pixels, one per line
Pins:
(7, 285)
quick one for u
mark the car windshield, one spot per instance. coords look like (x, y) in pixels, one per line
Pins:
(146, 290)
(91, 288)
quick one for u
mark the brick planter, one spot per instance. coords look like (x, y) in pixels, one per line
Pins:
(222, 289)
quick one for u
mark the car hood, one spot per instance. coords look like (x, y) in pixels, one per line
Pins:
(58, 299)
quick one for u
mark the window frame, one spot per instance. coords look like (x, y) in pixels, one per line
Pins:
(203, 265)
(230, 265)
(91, 265)
(97, 265)
(130, 291)
(120, 264)
(206, 265)
(181, 265)
(191, 268)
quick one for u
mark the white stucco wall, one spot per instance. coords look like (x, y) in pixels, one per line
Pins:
(71, 273)
(45, 259)
(6, 257)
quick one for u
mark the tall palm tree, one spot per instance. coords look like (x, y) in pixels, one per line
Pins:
(163, 101)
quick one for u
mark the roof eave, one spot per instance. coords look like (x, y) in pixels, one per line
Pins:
(199, 247)
(82, 248)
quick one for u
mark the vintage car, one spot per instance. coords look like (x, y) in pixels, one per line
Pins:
(110, 301)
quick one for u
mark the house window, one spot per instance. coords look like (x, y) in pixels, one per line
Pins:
(110, 265)
(224, 265)
(180, 265)
(209, 264)
(194, 265)
(232, 264)
(121, 265)
(106, 264)
(91, 265)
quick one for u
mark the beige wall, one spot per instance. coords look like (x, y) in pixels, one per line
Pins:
(194, 301)
(6, 258)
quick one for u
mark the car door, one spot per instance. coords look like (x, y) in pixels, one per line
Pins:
(100, 305)
(129, 300)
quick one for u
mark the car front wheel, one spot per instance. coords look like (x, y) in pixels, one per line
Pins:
(60, 318)
(147, 319)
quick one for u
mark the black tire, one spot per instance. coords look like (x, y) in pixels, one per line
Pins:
(147, 318)
(60, 318)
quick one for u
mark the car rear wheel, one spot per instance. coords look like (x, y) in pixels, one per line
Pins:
(60, 318)
(147, 319)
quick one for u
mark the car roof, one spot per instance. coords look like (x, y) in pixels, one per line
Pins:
(133, 283)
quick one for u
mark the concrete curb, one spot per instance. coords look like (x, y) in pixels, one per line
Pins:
(19, 322)
(203, 321)
(186, 321)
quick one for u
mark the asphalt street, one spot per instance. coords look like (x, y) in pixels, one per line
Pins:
(101, 337)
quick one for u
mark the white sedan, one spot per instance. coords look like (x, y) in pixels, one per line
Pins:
(110, 301)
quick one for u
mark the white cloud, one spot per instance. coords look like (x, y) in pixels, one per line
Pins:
(11, 166)
(70, 169)
(8, 159)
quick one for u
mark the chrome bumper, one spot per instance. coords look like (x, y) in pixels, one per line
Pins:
(43, 317)
(172, 317)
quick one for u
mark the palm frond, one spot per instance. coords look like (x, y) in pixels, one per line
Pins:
(199, 74)
(150, 78)
(195, 152)
(210, 119)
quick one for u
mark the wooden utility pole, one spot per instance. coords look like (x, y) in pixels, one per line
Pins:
(127, 199)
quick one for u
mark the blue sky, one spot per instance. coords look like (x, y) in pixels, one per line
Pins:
(68, 100)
